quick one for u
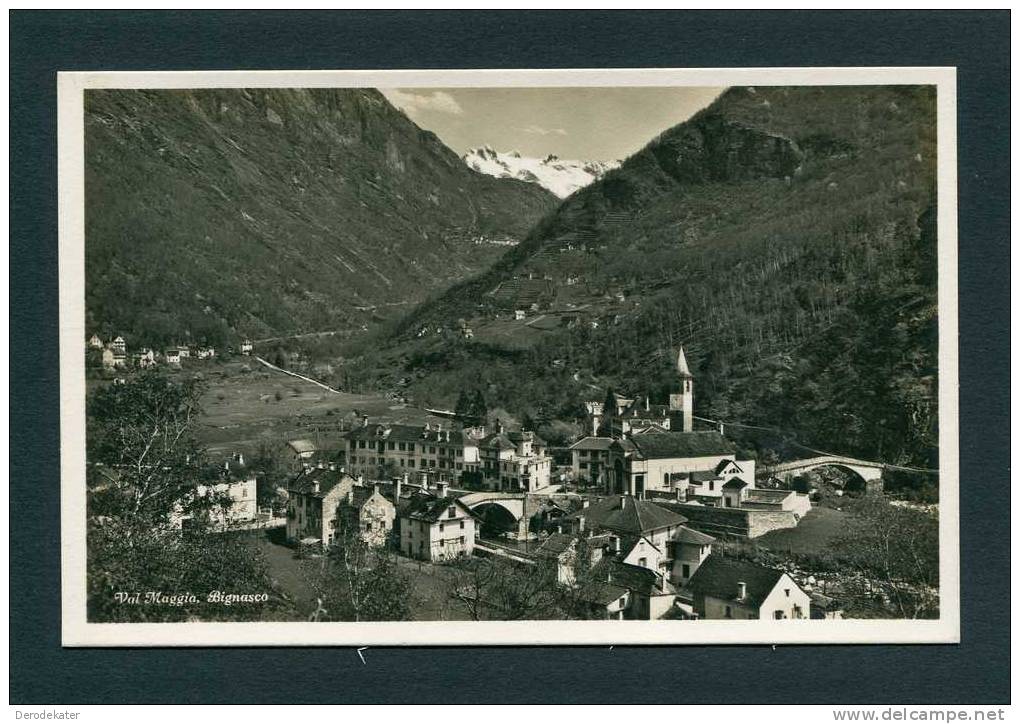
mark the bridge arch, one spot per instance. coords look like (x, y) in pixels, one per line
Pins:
(864, 476)
(498, 513)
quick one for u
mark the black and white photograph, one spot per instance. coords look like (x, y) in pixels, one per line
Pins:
(572, 357)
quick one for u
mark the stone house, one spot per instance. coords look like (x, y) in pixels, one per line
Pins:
(313, 501)
(367, 511)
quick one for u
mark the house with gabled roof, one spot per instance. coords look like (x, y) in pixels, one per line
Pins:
(313, 501)
(436, 528)
(725, 588)
(369, 513)
(514, 461)
(589, 457)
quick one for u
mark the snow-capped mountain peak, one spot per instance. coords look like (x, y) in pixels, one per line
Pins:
(561, 176)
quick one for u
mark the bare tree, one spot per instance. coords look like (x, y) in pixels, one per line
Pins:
(895, 553)
(356, 581)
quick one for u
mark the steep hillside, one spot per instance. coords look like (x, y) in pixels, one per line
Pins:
(561, 176)
(217, 213)
(779, 235)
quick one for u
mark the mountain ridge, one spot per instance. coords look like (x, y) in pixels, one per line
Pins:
(778, 234)
(560, 176)
(199, 203)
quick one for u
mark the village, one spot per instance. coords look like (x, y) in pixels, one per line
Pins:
(643, 502)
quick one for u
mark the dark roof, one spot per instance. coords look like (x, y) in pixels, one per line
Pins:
(496, 440)
(718, 577)
(405, 433)
(723, 464)
(362, 494)
(556, 544)
(689, 535)
(603, 593)
(327, 479)
(633, 578)
(681, 444)
(520, 436)
(700, 476)
(734, 483)
(592, 443)
(627, 514)
(430, 509)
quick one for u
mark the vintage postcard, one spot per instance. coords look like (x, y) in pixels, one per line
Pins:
(509, 357)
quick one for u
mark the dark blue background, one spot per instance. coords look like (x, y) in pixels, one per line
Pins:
(976, 42)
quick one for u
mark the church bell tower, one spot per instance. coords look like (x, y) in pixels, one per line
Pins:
(681, 404)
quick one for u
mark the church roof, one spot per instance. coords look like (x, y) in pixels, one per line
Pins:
(681, 445)
(681, 364)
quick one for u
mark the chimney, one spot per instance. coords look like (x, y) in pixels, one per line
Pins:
(722, 429)
(648, 405)
(616, 543)
(585, 503)
(580, 524)
(360, 479)
(332, 465)
(448, 436)
(499, 426)
(397, 486)
(741, 590)
(375, 489)
(315, 486)
(623, 502)
(442, 487)
(364, 420)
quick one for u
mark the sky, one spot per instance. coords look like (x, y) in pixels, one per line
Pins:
(593, 124)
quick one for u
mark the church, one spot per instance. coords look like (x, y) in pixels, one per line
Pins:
(654, 449)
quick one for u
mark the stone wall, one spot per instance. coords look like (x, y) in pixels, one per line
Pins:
(733, 522)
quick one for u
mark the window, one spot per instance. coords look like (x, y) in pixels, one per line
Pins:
(452, 512)
(368, 527)
(787, 592)
(665, 479)
(462, 525)
(685, 571)
(643, 562)
(461, 540)
(440, 527)
(779, 615)
(391, 445)
(711, 485)
(728, 613)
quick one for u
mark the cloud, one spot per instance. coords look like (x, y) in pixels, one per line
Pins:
(437, 101)
(539, 131)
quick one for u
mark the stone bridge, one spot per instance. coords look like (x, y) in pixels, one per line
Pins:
(502, 509)
(508, 510)
(869, 472)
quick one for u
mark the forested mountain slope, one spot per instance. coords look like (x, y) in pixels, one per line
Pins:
(784, 236)
(214, 214)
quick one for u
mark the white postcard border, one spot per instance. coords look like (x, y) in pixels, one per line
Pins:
(76, 631)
